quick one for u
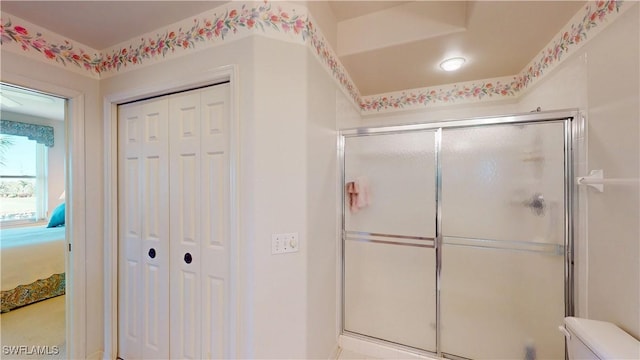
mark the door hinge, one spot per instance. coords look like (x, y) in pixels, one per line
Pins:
(69, 247)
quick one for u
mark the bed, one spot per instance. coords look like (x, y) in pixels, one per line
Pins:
(32, 262)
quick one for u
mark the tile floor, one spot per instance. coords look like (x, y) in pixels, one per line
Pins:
(358, 349)
(350, 355)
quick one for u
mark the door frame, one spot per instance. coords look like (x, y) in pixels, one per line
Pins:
(75, 190)
(228, 73)
(574, 128)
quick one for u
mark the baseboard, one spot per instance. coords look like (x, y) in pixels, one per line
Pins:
(380, 351)
(106, 355)
(98, 355)
(335, 353)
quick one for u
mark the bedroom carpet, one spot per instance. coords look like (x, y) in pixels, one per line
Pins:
(40, 324)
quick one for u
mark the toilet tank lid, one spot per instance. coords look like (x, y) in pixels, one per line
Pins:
(605, 339)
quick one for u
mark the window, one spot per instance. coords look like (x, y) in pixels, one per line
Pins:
(23, 179)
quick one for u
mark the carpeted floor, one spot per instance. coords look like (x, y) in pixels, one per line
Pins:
(36, 331)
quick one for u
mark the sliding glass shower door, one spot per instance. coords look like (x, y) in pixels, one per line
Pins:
(502, 282)
(389, 232)
(456, 236)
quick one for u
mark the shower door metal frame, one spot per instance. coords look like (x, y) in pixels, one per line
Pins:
(573, 125)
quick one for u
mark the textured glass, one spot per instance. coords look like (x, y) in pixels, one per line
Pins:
(504, 182)
(502, 294)
(496, 304)
(399, 171)
(390, 293)
(389, 287)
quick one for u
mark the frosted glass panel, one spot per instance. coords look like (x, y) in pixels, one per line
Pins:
(399, 172)
(504, 182)
(496, 303)
(390, 281)
(390, 293)
(502, 291)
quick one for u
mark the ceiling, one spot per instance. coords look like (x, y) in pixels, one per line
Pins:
(27, 102)
(385, 46)
(497, 38)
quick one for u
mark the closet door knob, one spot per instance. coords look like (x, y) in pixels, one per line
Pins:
(187, 258)
(152, 253)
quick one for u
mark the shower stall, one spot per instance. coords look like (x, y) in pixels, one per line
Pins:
(457, 236)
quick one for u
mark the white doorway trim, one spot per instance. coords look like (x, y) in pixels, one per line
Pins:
(75, 190)
(111, 101)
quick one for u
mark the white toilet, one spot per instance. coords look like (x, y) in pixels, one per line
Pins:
(592, 339)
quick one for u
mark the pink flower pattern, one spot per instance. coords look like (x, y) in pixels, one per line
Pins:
(260, 18)
(576, 35)
(264, 18)
(63, 53)
(426, 96)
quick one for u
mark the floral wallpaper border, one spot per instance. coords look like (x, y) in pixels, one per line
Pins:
(217, 28)
(224, 23)
(476, 90)
(266, 19)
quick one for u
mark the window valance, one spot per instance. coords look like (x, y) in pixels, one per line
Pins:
(40, 133)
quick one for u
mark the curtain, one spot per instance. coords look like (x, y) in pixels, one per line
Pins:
(40, 133)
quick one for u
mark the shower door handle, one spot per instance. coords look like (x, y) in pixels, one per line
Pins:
(537, 204)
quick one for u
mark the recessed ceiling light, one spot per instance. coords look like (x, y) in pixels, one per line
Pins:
(452, 64)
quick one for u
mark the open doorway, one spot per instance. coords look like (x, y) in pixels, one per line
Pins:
(33, 235)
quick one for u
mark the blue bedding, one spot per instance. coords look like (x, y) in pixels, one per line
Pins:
(30, 235)
(33, 265)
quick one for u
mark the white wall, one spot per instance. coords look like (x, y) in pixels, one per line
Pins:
(347, 114)
(603, 79)
(287, 181)
(287, 177)
(294, 191)
(55, 156)
(278, 183)
(322, 206)
(279, 193)
(613, 145)
(287, 173)
(33, 74)
(148, 78)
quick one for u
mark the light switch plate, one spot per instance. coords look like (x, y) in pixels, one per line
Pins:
(284, 243)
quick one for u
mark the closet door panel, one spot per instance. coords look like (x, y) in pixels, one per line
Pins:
(185, 198)
(130, 337)
(174, 215)
(130, 238)
(144, 230)
(155, 228)
(185, 330)
(215, 217)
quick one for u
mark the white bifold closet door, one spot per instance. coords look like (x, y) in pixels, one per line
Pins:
(143, 263)
(199, 214)
(174, 215)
